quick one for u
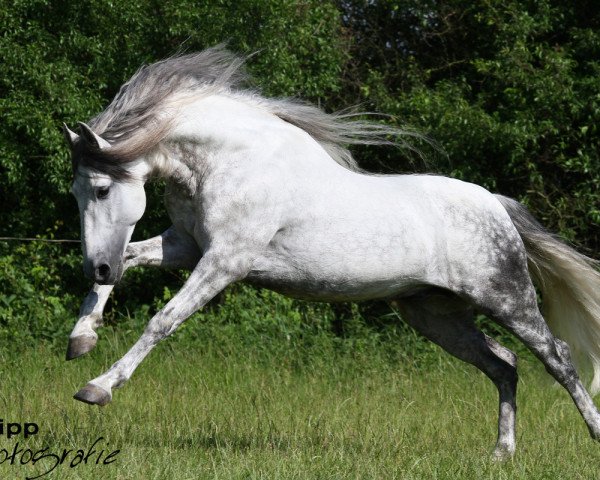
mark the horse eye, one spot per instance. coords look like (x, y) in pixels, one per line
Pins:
(102, 192)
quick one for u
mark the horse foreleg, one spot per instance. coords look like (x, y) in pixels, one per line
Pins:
(212, 274)
(83, 338)
(169, 250)
(448, 321)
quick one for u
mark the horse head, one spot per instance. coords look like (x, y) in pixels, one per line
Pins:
(109, 204)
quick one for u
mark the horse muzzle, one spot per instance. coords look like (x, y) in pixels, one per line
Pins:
(102, 272)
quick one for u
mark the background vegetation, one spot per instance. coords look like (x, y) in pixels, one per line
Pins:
(509, 89)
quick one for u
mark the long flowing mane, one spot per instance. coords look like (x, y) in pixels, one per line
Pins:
(144, 110)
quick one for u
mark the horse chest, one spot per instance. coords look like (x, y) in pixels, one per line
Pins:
(183, 210)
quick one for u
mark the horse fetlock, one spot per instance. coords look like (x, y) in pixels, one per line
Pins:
(80, 345)
(120, 381)
(87, 324)
(593, 425)
(503, 453)
(94, 319)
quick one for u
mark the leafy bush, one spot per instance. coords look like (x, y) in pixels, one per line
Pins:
(35, 301)
(508, 89)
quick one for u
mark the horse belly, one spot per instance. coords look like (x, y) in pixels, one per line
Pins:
(329, 290)
(338, 265)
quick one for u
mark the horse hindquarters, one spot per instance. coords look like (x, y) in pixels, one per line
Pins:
(495, 280)
(448, 321)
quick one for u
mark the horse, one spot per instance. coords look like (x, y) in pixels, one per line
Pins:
(265, 191)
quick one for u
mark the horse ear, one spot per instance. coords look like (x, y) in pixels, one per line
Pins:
(70, 135)
(95, 140)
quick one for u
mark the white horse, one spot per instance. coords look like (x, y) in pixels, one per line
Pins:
(262, 190)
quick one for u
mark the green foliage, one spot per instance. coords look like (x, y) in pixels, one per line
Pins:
(508, 89)
(36, 303)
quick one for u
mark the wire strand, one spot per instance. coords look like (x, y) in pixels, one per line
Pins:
(45, 240)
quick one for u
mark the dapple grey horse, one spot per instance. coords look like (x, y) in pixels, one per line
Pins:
(265, 191)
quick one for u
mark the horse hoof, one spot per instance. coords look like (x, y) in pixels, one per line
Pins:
(501, 455)
(80, 345)
(93, 395)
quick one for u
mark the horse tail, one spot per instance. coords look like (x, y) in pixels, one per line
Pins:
(569, 283)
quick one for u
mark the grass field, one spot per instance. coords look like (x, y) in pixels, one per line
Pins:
(229, 411)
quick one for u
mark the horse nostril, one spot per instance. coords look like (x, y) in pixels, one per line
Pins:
(103, 271)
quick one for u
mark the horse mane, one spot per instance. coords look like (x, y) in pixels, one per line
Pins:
(144, 110)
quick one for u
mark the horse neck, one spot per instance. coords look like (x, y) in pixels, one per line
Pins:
(226, 133)
(218, 128)
(225, 122)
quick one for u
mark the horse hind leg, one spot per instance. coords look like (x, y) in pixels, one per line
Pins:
(448, 321)
(523, 318)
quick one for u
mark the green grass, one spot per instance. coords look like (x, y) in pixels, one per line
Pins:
(206, 409)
